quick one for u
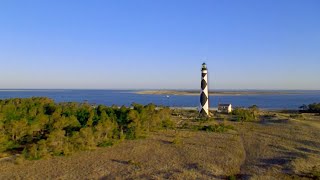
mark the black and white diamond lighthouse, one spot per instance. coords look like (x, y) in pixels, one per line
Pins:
(204, 96)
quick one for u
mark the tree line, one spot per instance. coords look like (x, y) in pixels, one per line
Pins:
(311, 108)
(38, 127)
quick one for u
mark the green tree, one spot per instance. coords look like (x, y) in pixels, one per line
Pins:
(104, 130)
(84, 140)
(56, 142)
(134, 129)
(17, 129)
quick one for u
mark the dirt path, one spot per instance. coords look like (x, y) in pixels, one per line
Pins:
(282, 150)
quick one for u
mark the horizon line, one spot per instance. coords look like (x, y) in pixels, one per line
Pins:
(161, 89)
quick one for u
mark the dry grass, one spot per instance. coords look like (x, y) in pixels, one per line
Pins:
(199, 155)
(275, 148)
(281, 148)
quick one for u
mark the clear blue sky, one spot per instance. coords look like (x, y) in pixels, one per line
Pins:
(248, 44)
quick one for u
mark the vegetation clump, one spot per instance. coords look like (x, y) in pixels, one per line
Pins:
(39, 128)
(250, 114)
(311, 108)
(221, 127)
(296, 116)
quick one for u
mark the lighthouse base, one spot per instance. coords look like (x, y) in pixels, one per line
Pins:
(203, 113)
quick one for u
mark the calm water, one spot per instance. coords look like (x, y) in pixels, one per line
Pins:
(122, 97)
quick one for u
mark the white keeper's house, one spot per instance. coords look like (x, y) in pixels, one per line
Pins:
(225, 108)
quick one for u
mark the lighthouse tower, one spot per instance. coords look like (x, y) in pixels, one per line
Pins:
(204, 96)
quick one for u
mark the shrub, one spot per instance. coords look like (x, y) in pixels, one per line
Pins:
(168, 124)
(19, 160)
(177, 139)
(232, 177)
(244, 114)
(106, 143)
(296, 116)
(43, 149)
(203, 119)
(216, 128)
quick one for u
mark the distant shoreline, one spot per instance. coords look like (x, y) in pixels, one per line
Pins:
(214, 93)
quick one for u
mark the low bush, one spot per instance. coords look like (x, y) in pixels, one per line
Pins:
(296, 116)
(214, 128)
(245, 114)
(232, 177)
(204, 119)
(177, 140)
(168, 124)
(106, 144)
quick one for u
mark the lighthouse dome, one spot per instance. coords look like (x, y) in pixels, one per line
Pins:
(204, 66)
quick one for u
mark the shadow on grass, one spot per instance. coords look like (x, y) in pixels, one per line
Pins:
(164, 174)
(307, 150)
(300, 141)
(309, 143)
(283, 161)
(273, 121)
(120, 161)
(265, 163)
(164, 141)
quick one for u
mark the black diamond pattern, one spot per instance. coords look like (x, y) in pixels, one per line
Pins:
(203, 98)
(204, 74)
(203, 84)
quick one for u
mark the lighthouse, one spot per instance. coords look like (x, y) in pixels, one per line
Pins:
(204, 96)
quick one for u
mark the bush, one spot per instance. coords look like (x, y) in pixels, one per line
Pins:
(177, 140)
(245, 114)
(19, 160)
(106, 143)
(296, 116)
(168, 124)
(204, 119)
(221, 127)
(217, 128)
(232, 177)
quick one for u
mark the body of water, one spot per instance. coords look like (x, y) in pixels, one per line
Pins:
(123, 97)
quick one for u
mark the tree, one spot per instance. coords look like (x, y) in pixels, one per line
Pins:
(134, 129)
(84, 140)
(56, 141)
(103, 131)
(304, 107)
(314, 108)
(18, 129)
(36, 128)
(83, 115)
(5, 143)
(44, 128)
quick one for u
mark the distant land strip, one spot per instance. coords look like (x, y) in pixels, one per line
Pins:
(215, 93)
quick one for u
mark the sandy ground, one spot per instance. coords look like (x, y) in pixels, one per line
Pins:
(270, 149)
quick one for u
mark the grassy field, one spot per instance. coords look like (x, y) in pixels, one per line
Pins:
(278, 146)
